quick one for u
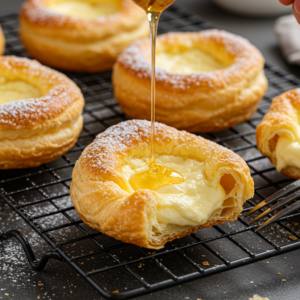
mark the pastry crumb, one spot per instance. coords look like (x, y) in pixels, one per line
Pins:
(256, 297)
(205, 263)
(116, 292)
(292, 237)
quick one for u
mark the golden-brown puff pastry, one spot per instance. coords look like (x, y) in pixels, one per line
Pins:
(80, 35)
(278, 134)
(40, 113)
(2, 42)
(104, 199)
(205, 81)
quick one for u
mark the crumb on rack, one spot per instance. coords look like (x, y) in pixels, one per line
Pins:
(292, 237)
(256, 297)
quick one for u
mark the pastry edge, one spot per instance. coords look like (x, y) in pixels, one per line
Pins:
(281, 120)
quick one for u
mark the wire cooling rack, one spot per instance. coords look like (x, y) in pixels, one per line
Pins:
(117, 270)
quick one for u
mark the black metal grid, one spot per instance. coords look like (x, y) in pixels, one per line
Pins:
(117, 270)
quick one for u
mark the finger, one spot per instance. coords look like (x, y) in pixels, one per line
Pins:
(297, 6)
(286, 2)
(296, 14)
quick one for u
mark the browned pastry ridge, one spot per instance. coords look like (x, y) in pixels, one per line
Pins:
(77, 44)
(2, 42)
(37, 130)
(282, 120)
(196, 102)
(104, 199)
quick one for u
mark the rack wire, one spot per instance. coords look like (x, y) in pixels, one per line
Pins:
(121, 271)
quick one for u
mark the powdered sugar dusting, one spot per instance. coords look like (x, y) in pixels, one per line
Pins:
(13, 64)
(136, 59)
(23, 113)
(39, 12)
(104, 154)
(100, 155)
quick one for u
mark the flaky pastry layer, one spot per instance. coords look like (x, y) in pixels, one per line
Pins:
(104, 199)
(282, 120)
(75, 44)
(38, 130)
(2, 42)
(198, 102)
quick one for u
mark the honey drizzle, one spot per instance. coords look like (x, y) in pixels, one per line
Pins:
(156, 175)
(153, 18)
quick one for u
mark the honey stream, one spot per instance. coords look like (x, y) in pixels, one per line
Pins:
(156, 175)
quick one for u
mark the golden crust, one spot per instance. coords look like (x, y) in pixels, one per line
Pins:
(105, 201)
(79, 44)
(36, 131)
(198, 102)
(2, 42)
(281, 120)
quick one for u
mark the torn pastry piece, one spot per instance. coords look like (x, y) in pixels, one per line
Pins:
(278, 135)
(40, 113)
(217, 183)
(2, 42)
(205, 81)
(81, 35)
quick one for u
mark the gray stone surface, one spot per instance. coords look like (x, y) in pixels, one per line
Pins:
(59, 281)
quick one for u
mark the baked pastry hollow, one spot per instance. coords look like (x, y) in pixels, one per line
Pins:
(77, 42)
(278, 136)
(40, 113)
(104, 199)
(196, 100)
(2, 41)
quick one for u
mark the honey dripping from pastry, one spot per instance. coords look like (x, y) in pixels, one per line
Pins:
(155, 176)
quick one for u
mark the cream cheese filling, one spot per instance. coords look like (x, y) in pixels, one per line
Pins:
(187, 61)
(85, 9)
(287, 153)
(189, 203)
(17, 90)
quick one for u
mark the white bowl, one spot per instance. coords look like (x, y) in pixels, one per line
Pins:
(258, 8)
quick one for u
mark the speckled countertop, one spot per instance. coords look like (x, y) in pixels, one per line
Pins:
(59, 281)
